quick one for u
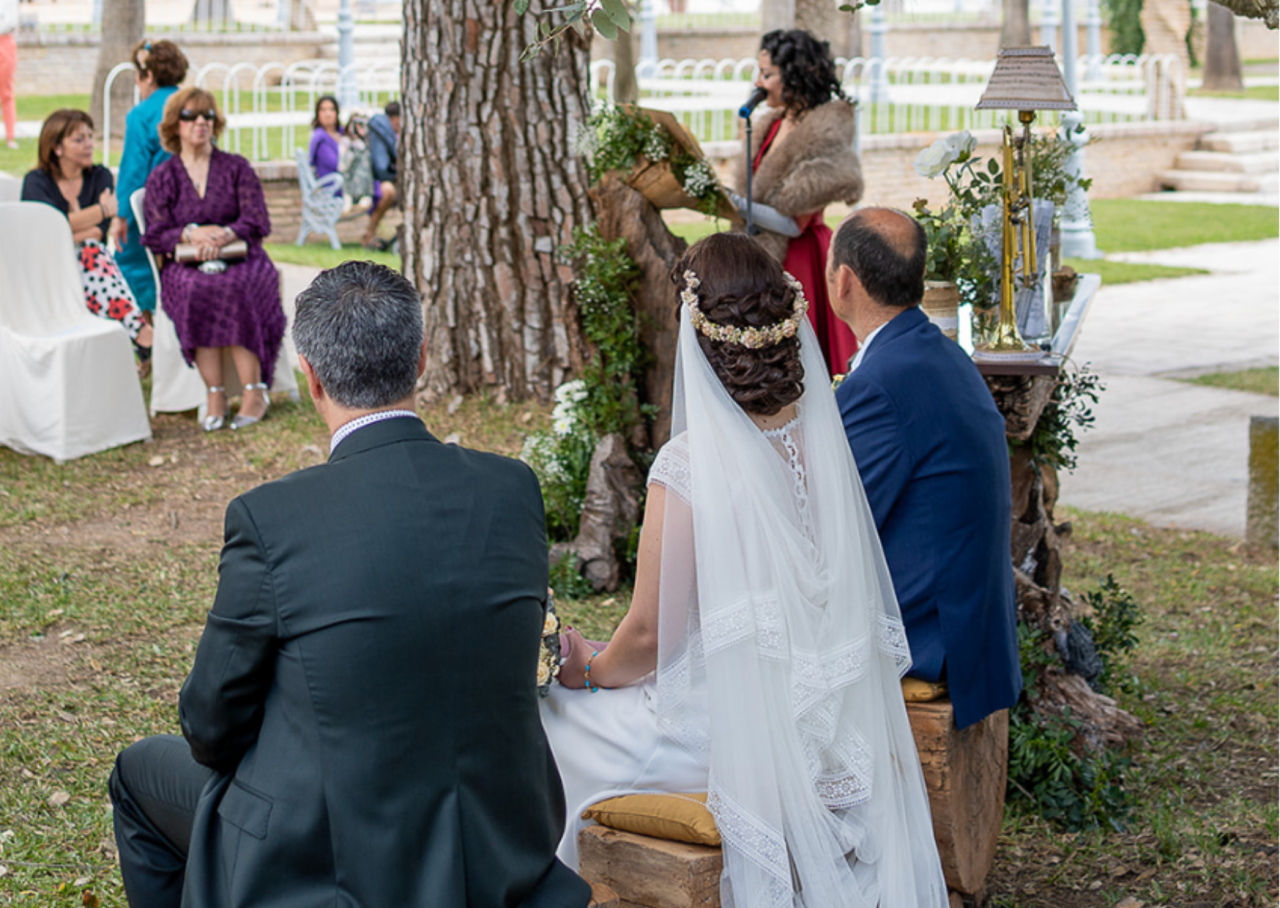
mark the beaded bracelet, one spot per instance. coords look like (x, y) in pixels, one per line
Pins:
(586, 673)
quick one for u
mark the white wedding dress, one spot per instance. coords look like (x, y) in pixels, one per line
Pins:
(779, 660)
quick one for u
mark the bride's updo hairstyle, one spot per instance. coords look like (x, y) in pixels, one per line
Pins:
(742, 286)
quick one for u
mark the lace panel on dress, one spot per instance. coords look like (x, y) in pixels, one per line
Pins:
(671, 468)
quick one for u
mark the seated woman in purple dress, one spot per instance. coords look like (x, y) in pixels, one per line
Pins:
(324, 152)
(208, 198)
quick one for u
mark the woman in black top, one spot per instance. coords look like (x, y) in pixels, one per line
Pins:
(67, 179)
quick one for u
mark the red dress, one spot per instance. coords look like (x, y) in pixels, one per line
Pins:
(806, 260)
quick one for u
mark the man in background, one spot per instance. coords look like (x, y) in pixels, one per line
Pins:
(384, 134)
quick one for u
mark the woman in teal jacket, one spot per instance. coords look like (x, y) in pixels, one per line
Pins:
(158, 68)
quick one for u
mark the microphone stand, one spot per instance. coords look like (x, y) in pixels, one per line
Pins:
(751, 227)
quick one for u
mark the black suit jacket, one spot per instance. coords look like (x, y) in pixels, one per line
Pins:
(365, 688)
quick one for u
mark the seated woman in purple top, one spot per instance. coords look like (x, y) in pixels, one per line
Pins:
(208, 198)
(324, 152)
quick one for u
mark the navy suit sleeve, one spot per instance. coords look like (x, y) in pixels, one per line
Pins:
(876, 435)
(222, 700)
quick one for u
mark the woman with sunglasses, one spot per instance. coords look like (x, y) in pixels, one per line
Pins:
(67, 179)
(208, 198)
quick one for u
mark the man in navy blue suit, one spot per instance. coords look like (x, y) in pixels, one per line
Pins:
(930, 446)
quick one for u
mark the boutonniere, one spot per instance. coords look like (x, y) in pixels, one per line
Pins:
(838, 380)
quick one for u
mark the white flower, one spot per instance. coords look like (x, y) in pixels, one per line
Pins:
(935, 159)
(571, 392)
(964, 143)
(550, 625)
(544, 674)
(562, 425)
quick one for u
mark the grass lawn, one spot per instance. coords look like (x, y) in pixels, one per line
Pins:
(319, 255)
(1256, 381)
(108, 565)
(1252, 92)
(1130, 225)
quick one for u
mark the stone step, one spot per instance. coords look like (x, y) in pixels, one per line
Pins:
(1210, 181)
(1240, 142)
(1223, 162)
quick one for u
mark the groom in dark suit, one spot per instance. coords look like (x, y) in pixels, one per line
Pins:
(930, 447)
(361, 723)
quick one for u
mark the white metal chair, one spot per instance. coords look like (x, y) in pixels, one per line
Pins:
(68, 383)
(175, 386)
(321, 206)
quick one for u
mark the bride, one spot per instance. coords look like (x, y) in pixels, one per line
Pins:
(761, 657)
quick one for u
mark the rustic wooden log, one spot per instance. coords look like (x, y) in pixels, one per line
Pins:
(651, 873)
(964, 772)
(603, 897)
(1036, 549)
(610, 508)
(623, 212)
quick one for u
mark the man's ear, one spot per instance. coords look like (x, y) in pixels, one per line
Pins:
(313, 383)
(422, 358)
(846, 282)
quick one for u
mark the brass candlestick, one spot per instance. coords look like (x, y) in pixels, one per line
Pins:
(1026, 79)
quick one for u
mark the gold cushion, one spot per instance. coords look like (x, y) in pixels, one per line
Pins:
(916, 691)
(675, 817)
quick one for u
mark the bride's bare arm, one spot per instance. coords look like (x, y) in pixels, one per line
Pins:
(633, 651)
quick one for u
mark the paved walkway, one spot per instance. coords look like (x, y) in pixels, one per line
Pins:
(1174, 453)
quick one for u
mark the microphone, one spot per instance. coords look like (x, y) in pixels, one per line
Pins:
(752, 103)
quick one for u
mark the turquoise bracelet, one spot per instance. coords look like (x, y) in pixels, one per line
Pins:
(586, 673)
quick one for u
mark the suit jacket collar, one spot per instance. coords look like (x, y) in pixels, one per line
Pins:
(902, 323)
(386, 432)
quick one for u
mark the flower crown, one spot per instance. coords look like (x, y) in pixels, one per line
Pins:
(751, 338)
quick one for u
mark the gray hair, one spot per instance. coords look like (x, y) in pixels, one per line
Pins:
(360, 327)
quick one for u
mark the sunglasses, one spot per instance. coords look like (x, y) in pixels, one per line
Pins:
(190, 116)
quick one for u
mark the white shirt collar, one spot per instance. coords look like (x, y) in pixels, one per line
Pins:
(360, 422)
(862, 348)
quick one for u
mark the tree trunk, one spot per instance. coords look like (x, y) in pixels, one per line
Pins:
(491, 189)
(1015, 26)
(777, 14)
(123, 24)
(212, 13)
(1221, 58)
(1266, 10)
(625, 89)
(821, 19)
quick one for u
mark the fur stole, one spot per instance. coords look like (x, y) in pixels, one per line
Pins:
(813, 167)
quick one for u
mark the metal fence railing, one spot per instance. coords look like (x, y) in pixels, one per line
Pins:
(897, 95)
(269, 107)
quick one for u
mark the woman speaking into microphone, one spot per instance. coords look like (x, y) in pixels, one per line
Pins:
(802, 160)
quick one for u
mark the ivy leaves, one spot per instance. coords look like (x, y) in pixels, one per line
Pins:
(608, 17)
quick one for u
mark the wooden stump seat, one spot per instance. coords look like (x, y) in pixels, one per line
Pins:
(964, 772)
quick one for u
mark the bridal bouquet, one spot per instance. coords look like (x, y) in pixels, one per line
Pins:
(549, 651)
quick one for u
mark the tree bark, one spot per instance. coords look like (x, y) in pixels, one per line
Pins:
(1266, 10)
(625, 88)
(491, 189)
(821, 19)
(1015, 25)
(1222, 70)
(777, 14)
(124, 22)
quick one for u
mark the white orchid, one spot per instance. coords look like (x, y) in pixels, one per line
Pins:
(935, 159)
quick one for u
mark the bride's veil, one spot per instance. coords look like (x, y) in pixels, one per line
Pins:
(781, 650)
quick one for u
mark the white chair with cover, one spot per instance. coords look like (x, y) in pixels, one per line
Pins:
(68, 383)
(175, 386)
(10, 188)
(321, 205)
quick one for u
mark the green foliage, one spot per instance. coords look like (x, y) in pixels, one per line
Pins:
(606, 276)
(1047, 775)
(605, 399)
(1070, 409)
(566, 581)
(1049, 770)
(617, 136)
(1127, 36)
(1115, 616)
(607, 17)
